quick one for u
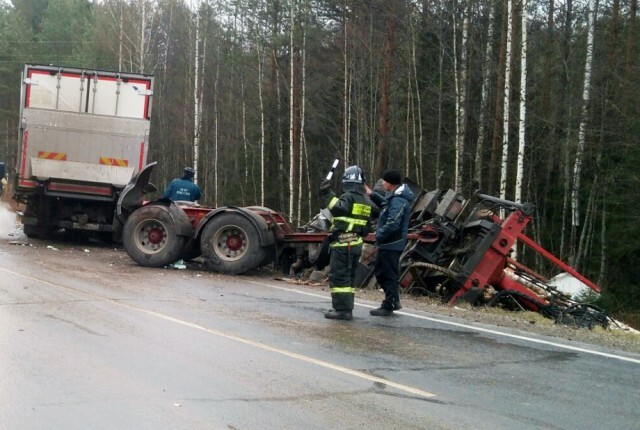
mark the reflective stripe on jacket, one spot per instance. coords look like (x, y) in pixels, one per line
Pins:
(351, 214)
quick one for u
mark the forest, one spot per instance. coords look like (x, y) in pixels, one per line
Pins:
(532, 101)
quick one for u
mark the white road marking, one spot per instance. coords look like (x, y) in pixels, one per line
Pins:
(307, 359)
(469, 327)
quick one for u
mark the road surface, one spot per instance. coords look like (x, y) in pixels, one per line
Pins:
(89, 340)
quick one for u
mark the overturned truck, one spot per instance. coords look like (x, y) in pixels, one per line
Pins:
(458, 248)
(461, 249)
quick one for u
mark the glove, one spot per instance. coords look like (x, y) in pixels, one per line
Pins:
(325, 185)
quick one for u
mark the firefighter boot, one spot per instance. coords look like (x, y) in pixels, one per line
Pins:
(338, 315)
(343, 305)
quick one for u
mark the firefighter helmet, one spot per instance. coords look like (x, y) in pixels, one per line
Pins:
(353, 179)
(353, 175)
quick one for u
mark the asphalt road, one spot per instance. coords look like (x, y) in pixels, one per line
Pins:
(89, 340)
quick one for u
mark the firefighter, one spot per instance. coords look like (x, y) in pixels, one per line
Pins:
(183, 189)
(391, 237)
(350, 223)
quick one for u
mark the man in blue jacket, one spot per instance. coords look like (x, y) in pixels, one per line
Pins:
(183, 188)
(391, 237)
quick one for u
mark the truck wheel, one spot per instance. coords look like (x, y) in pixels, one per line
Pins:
(150, 238)
(230, 243)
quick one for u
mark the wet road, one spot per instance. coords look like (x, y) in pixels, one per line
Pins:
(90, 340)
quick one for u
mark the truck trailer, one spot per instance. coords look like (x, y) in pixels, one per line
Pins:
(83, 135)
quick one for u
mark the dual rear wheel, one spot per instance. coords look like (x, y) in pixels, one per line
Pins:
(230, 243)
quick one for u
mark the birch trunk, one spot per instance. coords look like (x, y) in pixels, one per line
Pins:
(120, 35)
(345, 84)
(566, 250)
(577, 167)
(304, 159)
(523, 106)
(143, 27)
(262, 124)
(499, 101)
(441, 57)
(294, 99)
(461, 99)
(216, 131)
(196, 98)
(507, 99)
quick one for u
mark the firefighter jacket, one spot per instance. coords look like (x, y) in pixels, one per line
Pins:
(350, 222)
(182, 189)
(393, 224)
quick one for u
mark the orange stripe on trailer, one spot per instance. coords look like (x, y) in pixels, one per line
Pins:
(62, 156)
(108, 161)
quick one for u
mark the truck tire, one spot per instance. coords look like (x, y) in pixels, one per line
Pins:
(150, 238)
(230, 244)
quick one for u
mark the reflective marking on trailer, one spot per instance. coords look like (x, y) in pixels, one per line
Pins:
(260, 345)
(61, 156)
(108, 161)
(469, 327)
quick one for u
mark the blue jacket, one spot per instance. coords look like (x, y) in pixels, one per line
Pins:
(182, 189)
(393, 224)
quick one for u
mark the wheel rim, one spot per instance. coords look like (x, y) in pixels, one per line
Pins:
(231, 243)
(151, 236)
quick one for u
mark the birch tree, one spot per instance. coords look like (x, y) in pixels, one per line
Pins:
(197, 94)
(262, 123)
(507, 100)
(586, 92)
(461, 92)
(523, 105)
(294, 142)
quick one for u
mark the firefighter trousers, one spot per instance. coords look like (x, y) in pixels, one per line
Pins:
(342, 275)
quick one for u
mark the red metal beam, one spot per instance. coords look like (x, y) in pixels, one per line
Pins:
(549, 256)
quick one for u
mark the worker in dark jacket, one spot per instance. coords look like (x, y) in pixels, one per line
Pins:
(183, 188)
(350, 223)
(391, 237)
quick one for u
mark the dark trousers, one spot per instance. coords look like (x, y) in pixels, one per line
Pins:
(386, 271)
(342, 275)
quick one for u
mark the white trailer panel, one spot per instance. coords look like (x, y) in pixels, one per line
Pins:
(83, 126)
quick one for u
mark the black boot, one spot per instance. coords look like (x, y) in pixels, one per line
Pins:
(381, 312)
(339, 315)
(397, 305)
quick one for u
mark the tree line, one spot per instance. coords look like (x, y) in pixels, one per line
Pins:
(528, 100)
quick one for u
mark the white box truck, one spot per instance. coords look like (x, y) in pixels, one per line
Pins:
(83, 135)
